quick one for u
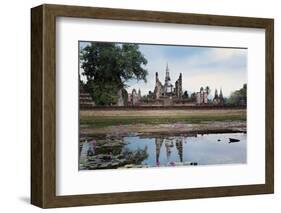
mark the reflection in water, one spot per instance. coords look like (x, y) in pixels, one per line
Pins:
(138, 152)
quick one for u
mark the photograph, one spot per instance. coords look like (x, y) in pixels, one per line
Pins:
(161, 105)
(141, 105)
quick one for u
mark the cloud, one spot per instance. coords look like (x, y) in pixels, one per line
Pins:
(215, 79)
(215, 67)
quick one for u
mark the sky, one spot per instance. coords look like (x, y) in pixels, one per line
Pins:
(218, 68)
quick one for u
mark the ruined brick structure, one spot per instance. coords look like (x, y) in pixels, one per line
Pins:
(218, 99)
(167, 91)
(134, 99)
(85, 99)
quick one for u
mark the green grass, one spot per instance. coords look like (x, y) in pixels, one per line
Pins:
(104, 121)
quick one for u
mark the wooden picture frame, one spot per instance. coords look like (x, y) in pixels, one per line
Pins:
(43, 105)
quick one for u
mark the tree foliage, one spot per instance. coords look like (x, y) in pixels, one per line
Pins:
(238, 97)
(185, 95)
(193, 97)
(108, 66)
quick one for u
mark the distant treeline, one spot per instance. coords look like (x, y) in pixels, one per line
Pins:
(238, 97)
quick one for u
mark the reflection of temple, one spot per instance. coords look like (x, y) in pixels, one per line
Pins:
(158, 143)
(169, 144)
(179, 147)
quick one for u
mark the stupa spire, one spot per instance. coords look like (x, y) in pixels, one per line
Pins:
(167, 78)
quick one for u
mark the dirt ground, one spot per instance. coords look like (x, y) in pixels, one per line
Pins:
(145, 113)
(162, 122)
(167, 129)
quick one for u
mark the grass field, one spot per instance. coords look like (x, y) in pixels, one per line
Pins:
(105, 118)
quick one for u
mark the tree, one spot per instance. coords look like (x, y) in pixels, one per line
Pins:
(108, 66)
(193, 96)
(238, 97)
(185, 95)
(81, 85)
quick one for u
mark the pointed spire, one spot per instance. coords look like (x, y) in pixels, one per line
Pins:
(156, 77)
(167, 78)
(221, 95)
(216, 94)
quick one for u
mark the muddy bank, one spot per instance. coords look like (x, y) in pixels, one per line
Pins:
(183, 129)
(163, 112)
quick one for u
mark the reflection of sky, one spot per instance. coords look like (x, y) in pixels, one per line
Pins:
(224, 68)
(205, 150)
